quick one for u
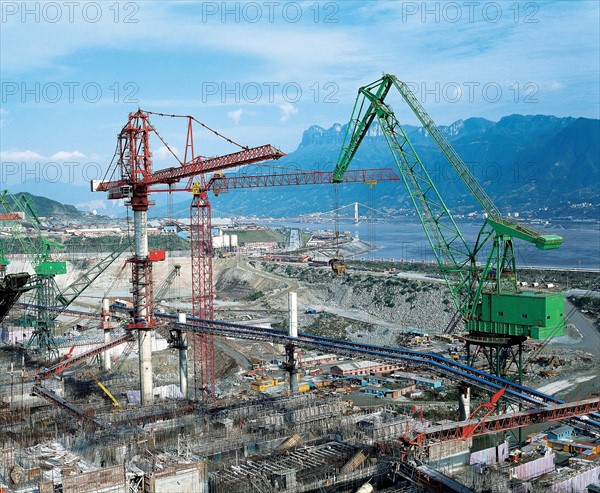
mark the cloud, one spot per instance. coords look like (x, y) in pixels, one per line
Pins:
(287, 109)
(163, 154)
(29, 156)
(64, 155)
(20, 156)
(92, 205)
(235, 116)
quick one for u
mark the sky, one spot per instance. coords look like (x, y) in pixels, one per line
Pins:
(263, 72)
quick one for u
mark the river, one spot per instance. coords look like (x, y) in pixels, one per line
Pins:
(399, 240)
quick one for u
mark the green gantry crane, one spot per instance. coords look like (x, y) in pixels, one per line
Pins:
(59, 300)
(48, 299)
(497, 315)
(38, 250)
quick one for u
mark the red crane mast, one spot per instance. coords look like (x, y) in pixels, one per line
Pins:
(134, 182)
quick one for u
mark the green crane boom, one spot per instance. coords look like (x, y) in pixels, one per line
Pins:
(73, 290)
(486, 295)
(47, 295)
(162, 289)
(37, 248)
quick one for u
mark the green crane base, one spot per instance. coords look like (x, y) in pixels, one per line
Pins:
(49, 268)
(527, 314)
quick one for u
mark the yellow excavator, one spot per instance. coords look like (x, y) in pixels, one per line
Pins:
(116, 405)
(338, 265)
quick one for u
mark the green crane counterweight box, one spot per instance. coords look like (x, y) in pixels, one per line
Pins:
(530, 314)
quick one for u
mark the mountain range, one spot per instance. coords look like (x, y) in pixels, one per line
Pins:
(542, 165)
(45, 207)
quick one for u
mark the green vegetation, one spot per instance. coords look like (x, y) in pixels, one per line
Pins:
(328, 325)
(108, 243)
(11, 246)
(254, 296)
(51, 208)
(304, 237)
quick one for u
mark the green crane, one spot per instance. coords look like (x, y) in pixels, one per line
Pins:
(38, 250)
(37, 247)
(59, 300)
(48, 298)
(495, 312)
(69, 294)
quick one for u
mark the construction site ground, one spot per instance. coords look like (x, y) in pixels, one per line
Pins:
(378, 306)
(374, 303)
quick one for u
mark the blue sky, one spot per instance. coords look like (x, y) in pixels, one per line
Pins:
(262, 72)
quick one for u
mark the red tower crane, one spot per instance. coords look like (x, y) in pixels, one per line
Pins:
(201, 242)
(135, 180)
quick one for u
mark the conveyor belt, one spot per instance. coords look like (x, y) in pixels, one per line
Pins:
(437, 363)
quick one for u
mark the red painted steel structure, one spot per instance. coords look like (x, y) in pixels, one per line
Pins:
(10, 216)
(136, 179)
(466, 429)
(63, 365)
(490, 406)
(200, 166)
(203, 345)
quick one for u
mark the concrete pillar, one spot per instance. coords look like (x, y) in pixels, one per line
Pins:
(290, 350)
(145, 348)
(464, 402)
(183, 365)
(140, 233)
(106, 363)
(140, 225)
(293, 314)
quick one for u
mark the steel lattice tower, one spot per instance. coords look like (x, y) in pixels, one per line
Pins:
(202, 294)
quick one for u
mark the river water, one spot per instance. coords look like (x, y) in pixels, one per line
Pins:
(407, 241)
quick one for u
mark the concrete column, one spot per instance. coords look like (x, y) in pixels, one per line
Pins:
(140, 233)
(464, 402)
(140, 225)
(291, 368)
(106, 363)
(183, 365)
(145, 348)
(293, 314)
(290, 348)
